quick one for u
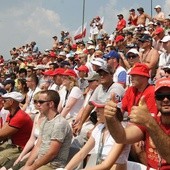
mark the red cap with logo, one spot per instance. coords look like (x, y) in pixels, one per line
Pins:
(119, 38)
(58, 71)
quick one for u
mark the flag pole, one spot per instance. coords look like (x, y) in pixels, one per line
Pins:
(151, 8)
(83, 17)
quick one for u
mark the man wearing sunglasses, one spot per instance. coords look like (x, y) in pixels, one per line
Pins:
(155, 130)
(53, 143)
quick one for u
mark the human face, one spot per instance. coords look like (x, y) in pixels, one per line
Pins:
(144, 44)
(43, 104)
(58, 79)
(7, 103)
(167, 73)
(105, 78)
(166, 45)
(163, 100)
(82, 74)
(29, 82)
(66, 81)
(19, 86)
(132, 59)
(136, 80)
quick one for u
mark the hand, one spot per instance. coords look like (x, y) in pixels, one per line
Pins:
(77, 128)
(140, 114)
(110, 109)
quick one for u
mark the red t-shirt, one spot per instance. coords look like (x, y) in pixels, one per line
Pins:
(24, 124)
(153, 158)
(121, 24)
(132, 98)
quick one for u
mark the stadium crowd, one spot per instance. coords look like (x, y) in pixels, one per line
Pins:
(95, 105)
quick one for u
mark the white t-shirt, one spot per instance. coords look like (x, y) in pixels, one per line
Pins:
(77, 94)
(108, 144)
(164, 60)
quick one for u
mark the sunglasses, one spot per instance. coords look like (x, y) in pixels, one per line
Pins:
(131, 56)
(162, 96)
(41, 101)
(167, 71)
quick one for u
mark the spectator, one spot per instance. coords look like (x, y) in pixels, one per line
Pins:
(154, 130)
(52, 147)
(110, 155)
(17, 128)
(121, 24)
(72, 98)
(160, 16)
(102, 92)
(142, 17)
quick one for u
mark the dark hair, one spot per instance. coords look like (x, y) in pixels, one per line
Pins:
(24, 84)
(53, 96)
(22, 70)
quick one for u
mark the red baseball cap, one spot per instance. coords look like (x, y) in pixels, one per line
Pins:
(159, 30)
(83, 68)
(119, 38)
(162, 82)
(69, 72)
(140, 69)
(47, 73)
(58, 71)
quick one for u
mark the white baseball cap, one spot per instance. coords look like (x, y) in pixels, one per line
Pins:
(166, 38)
(157, 6)
(14, 95)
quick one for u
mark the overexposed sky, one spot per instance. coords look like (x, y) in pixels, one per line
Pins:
(38, 20)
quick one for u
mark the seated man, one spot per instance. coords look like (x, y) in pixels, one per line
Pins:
(154, 130)
(52, 148)
(17, 128)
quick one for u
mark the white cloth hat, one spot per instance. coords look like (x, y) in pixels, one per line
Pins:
(133, 50)
(166, 38)
(62, 53)
(91, 47)
(14, 95)
(157, 6)
(98, 61)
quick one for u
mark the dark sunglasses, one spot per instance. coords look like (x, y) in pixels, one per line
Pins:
(91, 81)
(41, 101)
(167, 71)
(131, 56)
(162, 96)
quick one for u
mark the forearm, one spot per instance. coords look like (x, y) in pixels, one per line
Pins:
(86, 113)
(33, 156)
(45, 159)
(65, 111)
(116, 129)
(160, 139)
(74, 162)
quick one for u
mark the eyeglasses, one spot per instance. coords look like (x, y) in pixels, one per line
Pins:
(89, 81)
(41, 101)
(131, 56)
(162, 96)
(167, 71)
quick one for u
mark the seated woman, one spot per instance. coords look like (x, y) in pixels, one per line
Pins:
(23, 89)
(109, 154)
(72, 98)
(21, 160)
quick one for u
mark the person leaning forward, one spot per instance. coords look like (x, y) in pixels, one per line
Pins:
(16, 131)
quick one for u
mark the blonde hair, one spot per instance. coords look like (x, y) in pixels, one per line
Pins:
(73, 81)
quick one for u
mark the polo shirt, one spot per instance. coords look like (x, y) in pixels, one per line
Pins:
(23, 123)
(132, 98)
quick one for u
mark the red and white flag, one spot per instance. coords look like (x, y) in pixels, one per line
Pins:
(80, 33)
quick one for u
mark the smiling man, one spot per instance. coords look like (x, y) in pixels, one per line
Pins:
(154, 130)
